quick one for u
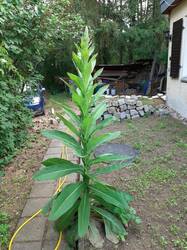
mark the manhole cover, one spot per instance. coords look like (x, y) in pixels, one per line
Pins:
(121, 149)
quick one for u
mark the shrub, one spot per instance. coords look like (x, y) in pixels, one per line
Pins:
(78, 202)
(14, 117)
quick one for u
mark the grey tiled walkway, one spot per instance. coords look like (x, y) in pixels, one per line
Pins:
(39, 234)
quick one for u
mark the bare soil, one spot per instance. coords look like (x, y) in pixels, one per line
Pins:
(158, 181)
(16, 185)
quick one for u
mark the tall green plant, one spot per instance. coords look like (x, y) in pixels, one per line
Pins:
(89, 197)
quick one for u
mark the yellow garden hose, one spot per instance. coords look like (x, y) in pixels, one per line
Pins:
(60, 184)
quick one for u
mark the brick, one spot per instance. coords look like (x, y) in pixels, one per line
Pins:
(51, 151)
(27, 246)
(33, 205)
(45, 182)
(133, 112)
(121, 101)
(111, 110)
(135, 116)
(33, 231)
(44, 190)
(141, 113)
(51, 234)
(146, 108)
(51, 156)
(72, 178)
(123, 115)
(56, 144)
(71, 157)
(139, 108)
(139, 103)
(50, 245)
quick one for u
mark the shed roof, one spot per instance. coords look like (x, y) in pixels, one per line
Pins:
(167, 5)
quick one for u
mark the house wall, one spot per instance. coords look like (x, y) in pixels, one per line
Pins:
(176, 89)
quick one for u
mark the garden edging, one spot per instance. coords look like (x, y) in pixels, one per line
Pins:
(39, 233)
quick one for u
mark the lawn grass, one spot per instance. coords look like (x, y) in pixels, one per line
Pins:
(4, 229)
(57, 100)
(158, 181)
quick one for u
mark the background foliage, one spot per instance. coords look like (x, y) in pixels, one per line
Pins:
(30, 33)
(125, 30)
(37, 38)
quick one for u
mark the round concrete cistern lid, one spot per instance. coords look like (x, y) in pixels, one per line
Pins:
(116, 148)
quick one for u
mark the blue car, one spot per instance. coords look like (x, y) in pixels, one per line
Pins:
(34, 99)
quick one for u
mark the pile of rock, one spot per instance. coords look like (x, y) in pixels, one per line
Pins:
(130, 107)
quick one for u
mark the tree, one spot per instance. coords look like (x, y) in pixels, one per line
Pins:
(29, 31)
(126, 30)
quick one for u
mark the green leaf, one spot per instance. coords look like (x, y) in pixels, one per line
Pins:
(71, 235)
(77, 62)
(87, 125)
(47, 207)
(111, 168)
(86, 74)
(69, 125)
(109, 195)
(103, 124)
(100, 93)
(66, 219)
(109, 157)
(97, 73)
(73, 116)
(84, 214)
(112, 219)
(98, 111)
(65, 200)
(67, 139)
(77, 81)
(101, 139)
(56, 168)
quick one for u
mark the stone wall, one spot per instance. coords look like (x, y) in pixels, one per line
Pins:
(130, 107)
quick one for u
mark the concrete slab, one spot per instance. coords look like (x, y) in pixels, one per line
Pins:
(33, 231)
(42, 190)
(39, 233)
(55, 151)
(56, 144)
(33, 205)
(51, 234)
(71, 178)
(27, 246)
(50, 245)
(72, 157)
(51, 156)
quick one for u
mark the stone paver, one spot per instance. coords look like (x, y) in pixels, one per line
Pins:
(44, 190)
(51, 156)
(56, 144)
(54, 151)
(33, 205)
(33, 231)
(39, 234)
(50, 245)
(27, 245)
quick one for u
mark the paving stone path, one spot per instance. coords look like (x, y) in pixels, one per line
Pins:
(39, 234)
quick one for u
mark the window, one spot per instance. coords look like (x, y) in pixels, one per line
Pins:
(176, 48)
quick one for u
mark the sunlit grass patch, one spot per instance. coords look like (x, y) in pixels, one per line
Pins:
(155, 175)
